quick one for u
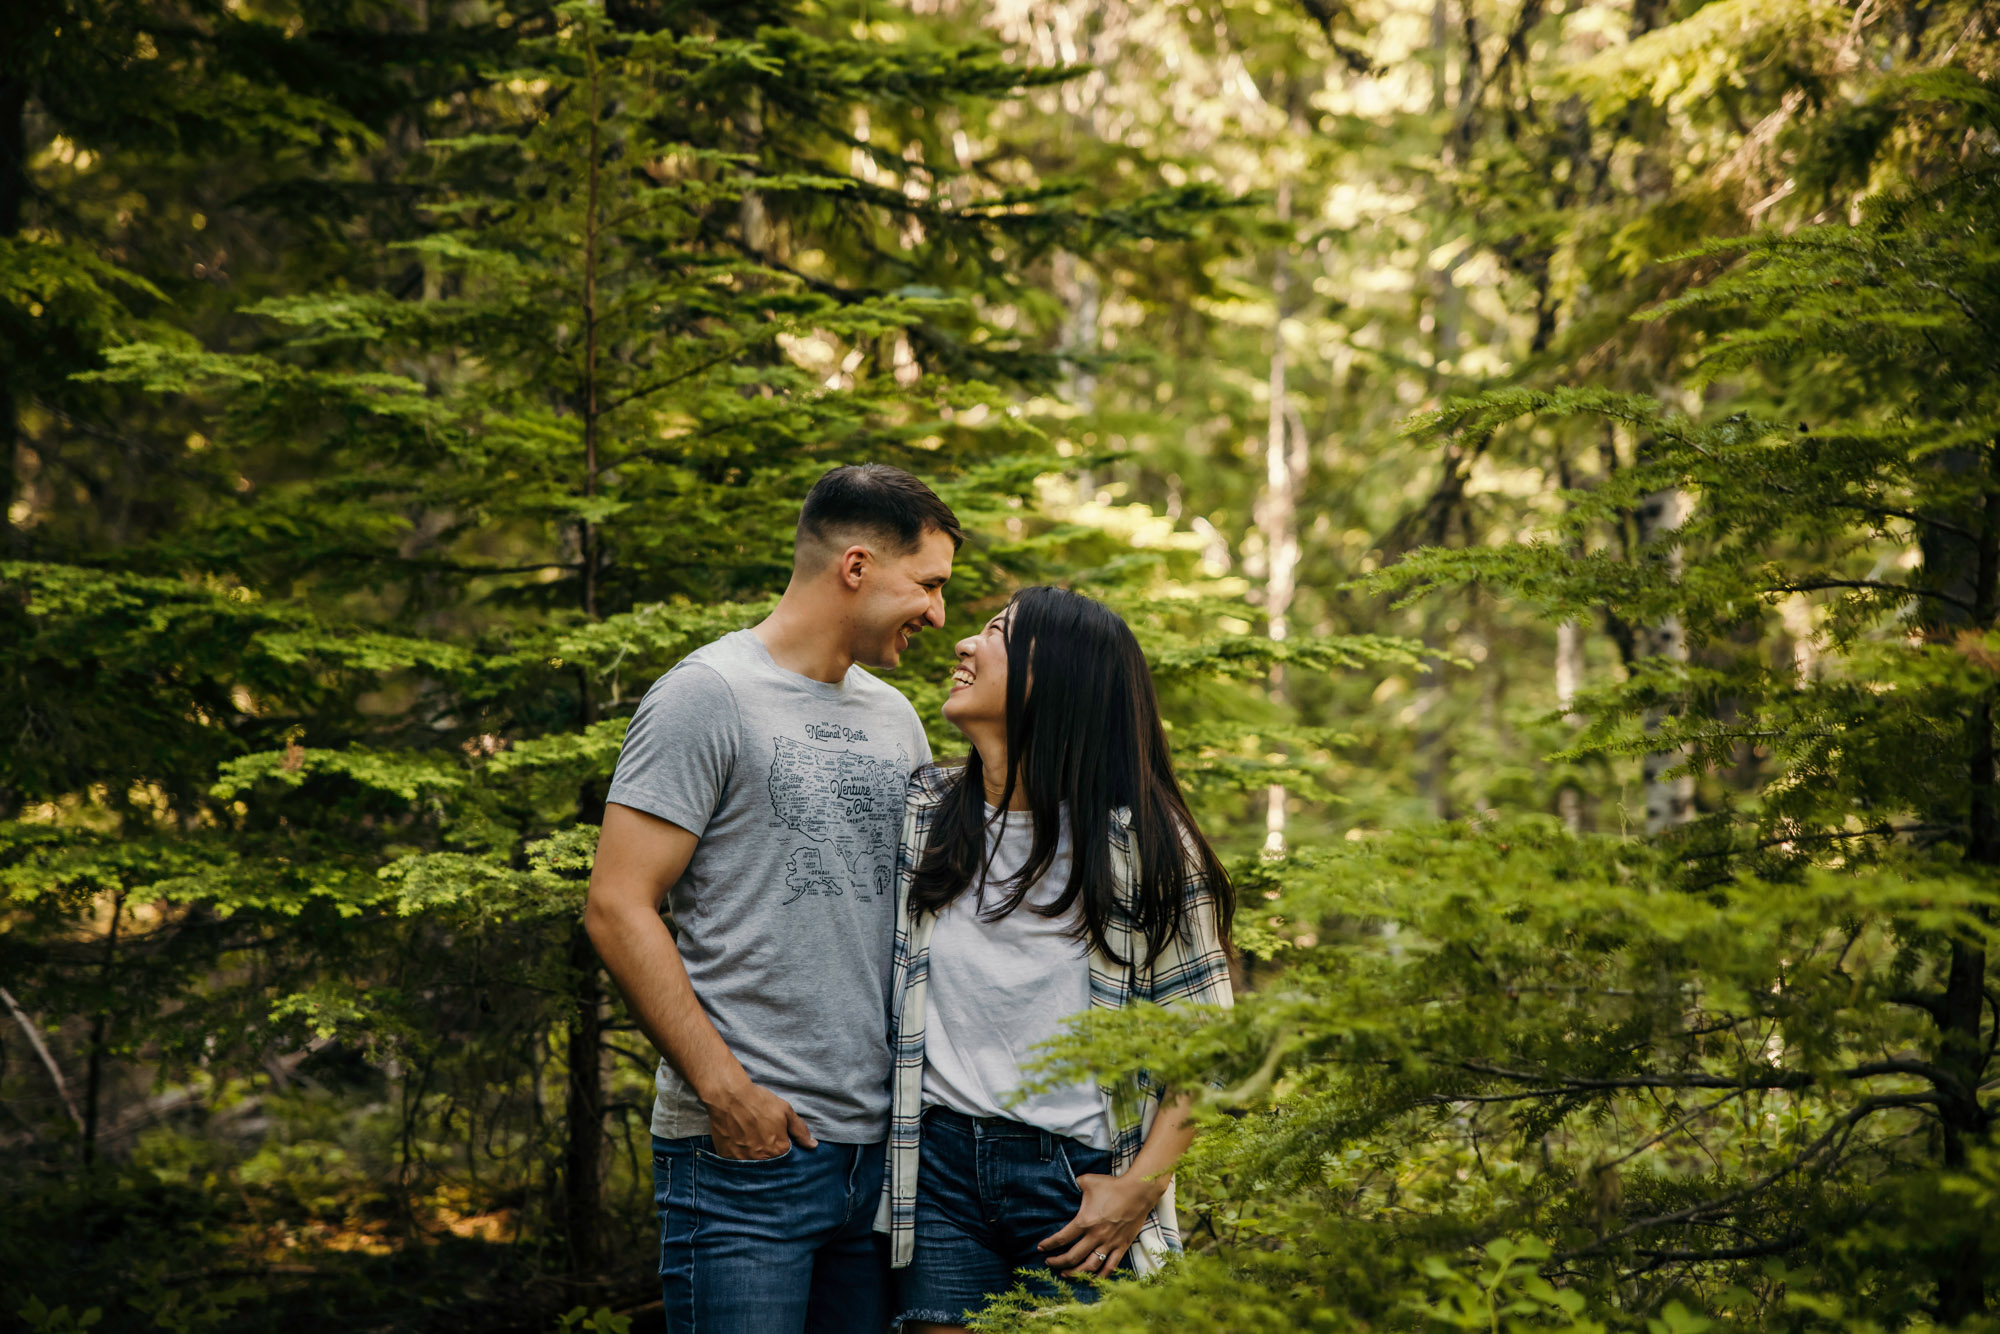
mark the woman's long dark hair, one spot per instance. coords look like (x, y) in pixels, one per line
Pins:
(1087, 735)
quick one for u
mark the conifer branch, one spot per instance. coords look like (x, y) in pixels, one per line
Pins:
(845, 296)
(1750, 1251)
(645, 391)
(1685, 1121)
(1930, 1002)
(1965, 307)
(1938, 1076)
(1774, 1079)
(649, 1066)
(1887, 512)
(1782, 840)
(676, 446)
(1768, 1079)
(1876, 585)
(1522, 1095)
(451, 566)
(1696, 1212)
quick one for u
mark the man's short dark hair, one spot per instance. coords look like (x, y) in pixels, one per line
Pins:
(877, 500)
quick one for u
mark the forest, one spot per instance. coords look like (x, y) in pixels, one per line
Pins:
(1549, 449)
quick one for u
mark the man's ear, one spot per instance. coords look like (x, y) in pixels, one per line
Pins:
(853, 565)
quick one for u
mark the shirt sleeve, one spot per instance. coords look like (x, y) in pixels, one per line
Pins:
(680, 749)
(921, 747)
(1194, 967)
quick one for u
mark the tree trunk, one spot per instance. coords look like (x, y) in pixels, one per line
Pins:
(1284, 469)
(587, 534)
(1961, 1278)
(1569, 670)
(1669, 798)
(1077, 284)
(1569, 667)
(1440, 54)
(1434, 753)
(1796, 613)
(1974, 567)
(100, 1035)
(583, 1153)
(13, 195)
(1569, 679)
(26, 1023)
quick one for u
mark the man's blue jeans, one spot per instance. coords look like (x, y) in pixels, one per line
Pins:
(783, 1245)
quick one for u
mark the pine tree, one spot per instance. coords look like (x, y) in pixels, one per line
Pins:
(666, 280)
(116, 219)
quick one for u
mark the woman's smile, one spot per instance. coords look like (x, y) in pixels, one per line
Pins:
(978, 694)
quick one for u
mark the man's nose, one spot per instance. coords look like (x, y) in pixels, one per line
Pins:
(934, 614)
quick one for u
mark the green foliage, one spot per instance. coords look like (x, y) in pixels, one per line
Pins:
(314, 741)
(1522, 1079)
(42, 1320)
(392, 401)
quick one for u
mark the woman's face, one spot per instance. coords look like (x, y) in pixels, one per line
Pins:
(979, 683)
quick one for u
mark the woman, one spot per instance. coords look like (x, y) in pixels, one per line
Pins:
(1057, 870)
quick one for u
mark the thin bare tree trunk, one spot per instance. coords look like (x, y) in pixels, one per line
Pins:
(34, 1036)
(100, 1034)
(1569, 679)
(13, 194)
(1284, 459)
(587, 543)
(583, 1152)
(1669, 797)
(1797, 615)
(1076, 283)
(1569, 676)
(1434, 755)
(1569, 667)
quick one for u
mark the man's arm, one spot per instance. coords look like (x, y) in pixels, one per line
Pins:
(639, 858)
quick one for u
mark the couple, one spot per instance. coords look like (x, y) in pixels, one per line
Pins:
(863, 955)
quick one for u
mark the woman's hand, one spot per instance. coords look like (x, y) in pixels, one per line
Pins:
(1106, 1224)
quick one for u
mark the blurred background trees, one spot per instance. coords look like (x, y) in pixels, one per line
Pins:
(1573, 423)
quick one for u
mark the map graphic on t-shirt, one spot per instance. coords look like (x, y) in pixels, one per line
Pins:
(852, 803)
(806, 872)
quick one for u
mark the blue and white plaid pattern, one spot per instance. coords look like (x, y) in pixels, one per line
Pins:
(1193, 969)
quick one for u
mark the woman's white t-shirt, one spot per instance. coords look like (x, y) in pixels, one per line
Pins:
(998, 988)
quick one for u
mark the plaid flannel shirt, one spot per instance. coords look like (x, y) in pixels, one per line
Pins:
(1193, 969)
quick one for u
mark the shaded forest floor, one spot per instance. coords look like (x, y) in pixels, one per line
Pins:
(217, 1255)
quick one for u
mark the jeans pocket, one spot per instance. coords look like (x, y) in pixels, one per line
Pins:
(1080, 1159)
(663, 1194)
(1069, 1172)
(709, 1155)
(663, 1178)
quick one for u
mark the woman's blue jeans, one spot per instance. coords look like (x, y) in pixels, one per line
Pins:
(781, 1245)
(990, 1190)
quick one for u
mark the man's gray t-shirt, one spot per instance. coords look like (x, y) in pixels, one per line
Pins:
(786, 912)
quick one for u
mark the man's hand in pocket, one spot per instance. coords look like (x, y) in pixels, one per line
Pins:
(753, 1122)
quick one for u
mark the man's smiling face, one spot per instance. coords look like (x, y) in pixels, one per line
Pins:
(901, 596)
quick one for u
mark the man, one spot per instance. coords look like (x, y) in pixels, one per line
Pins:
(761, 785)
